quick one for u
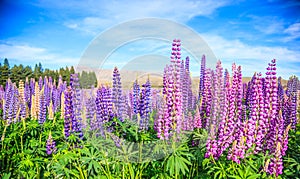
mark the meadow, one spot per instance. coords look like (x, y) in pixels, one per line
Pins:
(229, 128)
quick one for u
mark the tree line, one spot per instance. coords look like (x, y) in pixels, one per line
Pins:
(21, 72)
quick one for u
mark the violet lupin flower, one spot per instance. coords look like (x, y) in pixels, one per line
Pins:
(69, 111)
(56, 99)
(218, 105)
(237, 151)
(206, 100)
(197, 119)
(271, 98)
(8, 102)
(293, 109)
(40, 83)
(104, 111)
(91, 110)
(280, 92)
(135, 97)
(142, 111)
(202, 77)
(211, 147)
(176, 113)
(291, 91)
(145, 105)
(42, 108)
(170, 119)
(16, 104)
(184, 74)
(1, 96)
(22, 104)
(164, 121)
(50, 145)
(230, 115)
(190, 123)
(77, 120)
(27, 94)
(276, 164)
(117, 94)
(260, 114)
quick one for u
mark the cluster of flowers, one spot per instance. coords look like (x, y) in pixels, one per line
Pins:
(32, 99)
(258, 124)
(178, 99)
(241, 118)
(72, 108)
(141, 103)
(112, 102)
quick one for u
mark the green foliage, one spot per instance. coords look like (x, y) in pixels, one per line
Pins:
(292, 158)
(139, 155)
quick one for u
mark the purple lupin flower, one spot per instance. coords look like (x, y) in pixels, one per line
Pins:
(202, 77)
(22, 104)
(280, 92)
(218, 99)
(188, 80)
(69, 111)
(229, 118)
(104, 111)
(225, 130)
(135, 97)
(163, 124)
(206, 100)
(91, 109)
(176, 114)
(237, 151)
(258, 112)
(211, 147)
(47, 91)
(8, 102)
(50, 145)
(15, 104)
(42, 108)
(291, 116)
(276, 164)
(40, 83)
(32, 86)
(170, 117)
(56, 99)
(77, 120)
(197, 119)
(27, 94)
(1, 96)
(117, 94)
(145, 105)
(271, 98)
(184, 74)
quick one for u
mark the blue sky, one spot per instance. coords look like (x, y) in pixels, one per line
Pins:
(249, 33)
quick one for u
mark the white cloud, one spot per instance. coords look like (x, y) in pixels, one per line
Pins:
(253, 58)
(267, 24)
(30, 54)
(97, 15)
(235, 49)
(293, 31)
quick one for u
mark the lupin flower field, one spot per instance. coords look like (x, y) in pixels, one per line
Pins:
(227, 128)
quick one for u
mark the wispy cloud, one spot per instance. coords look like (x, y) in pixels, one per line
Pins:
(94, 16)
(267, 24)
(29, 55)
(293, 31)
(235, 49)
(253, 58)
